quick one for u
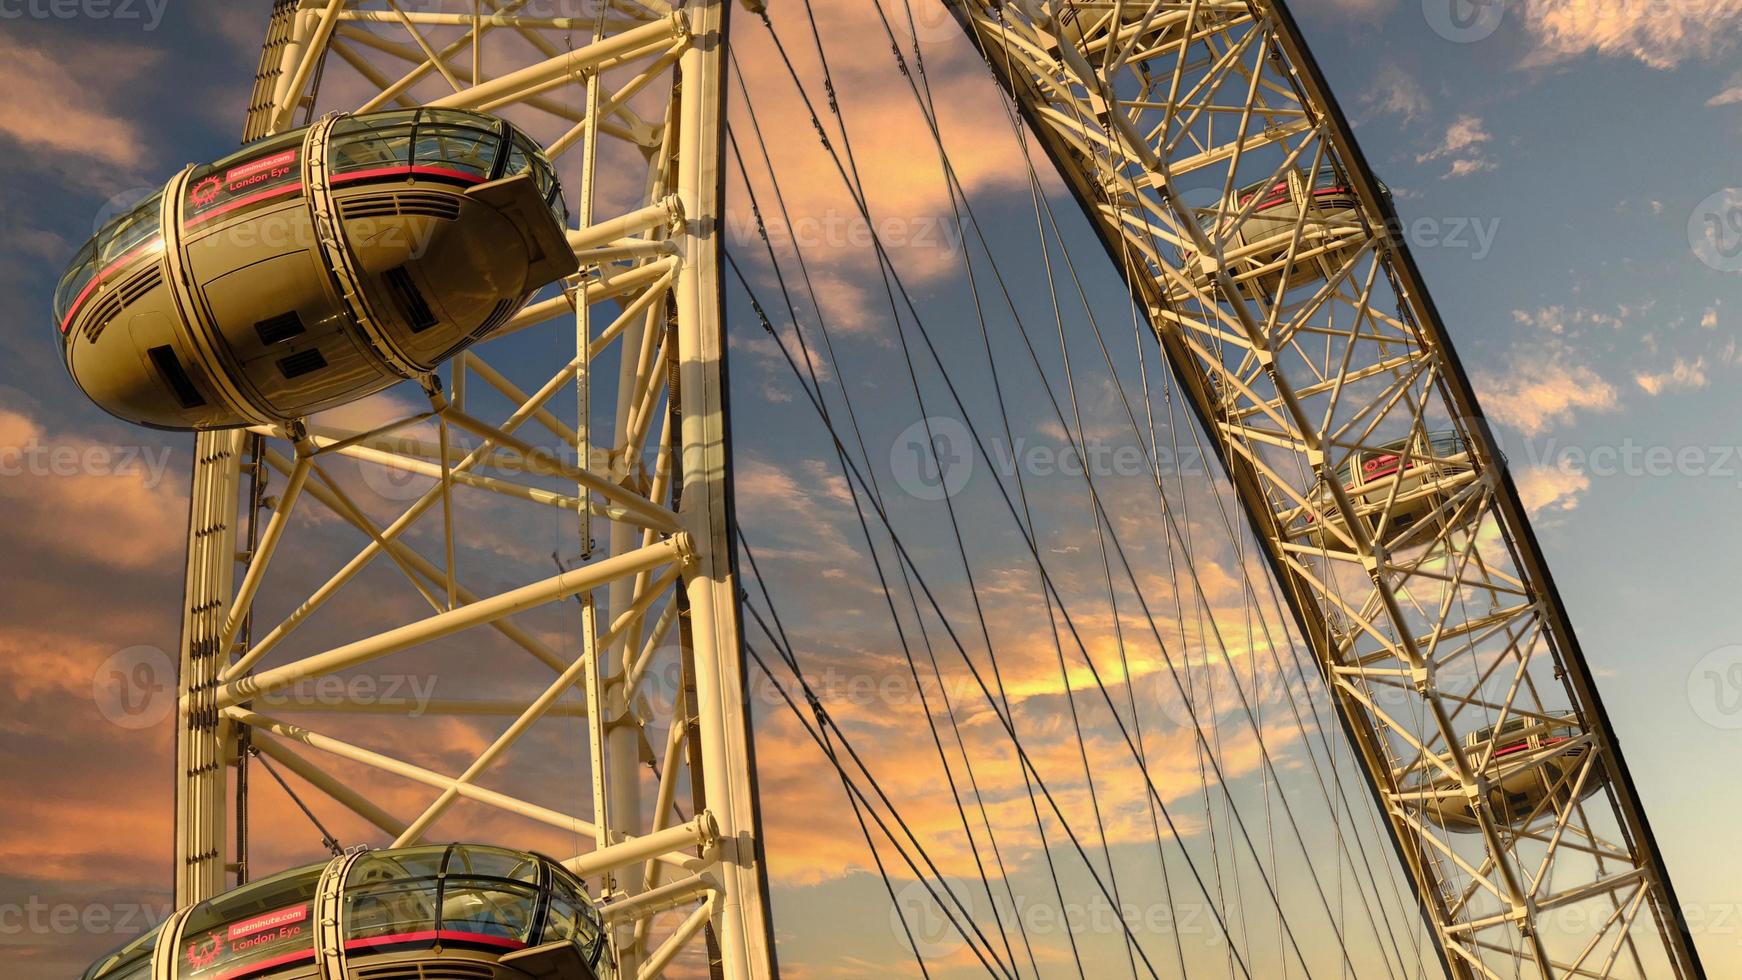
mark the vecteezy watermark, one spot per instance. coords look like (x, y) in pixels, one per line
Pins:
(283, 231)
(39, 459)
(1454, 233)
(135, 688)
(848, 229)
(393, 483)
(1464, 21)
(1468, 21)
(920, 922)
(933, 459)
(148, 13)
(276, 231)
(1627, 458)
(928, 23)
(1715, 688)
(411, 693)
(36, 916)
(1474, 234)
(1715, 230)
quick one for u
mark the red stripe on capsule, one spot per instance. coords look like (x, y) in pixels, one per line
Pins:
(436, 935)
(152, 244)
(205, 216)
(420, 171)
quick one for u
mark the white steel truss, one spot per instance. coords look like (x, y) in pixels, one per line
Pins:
(1202, 142)
(630, 93)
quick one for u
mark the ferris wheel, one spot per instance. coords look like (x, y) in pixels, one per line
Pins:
(515, 211)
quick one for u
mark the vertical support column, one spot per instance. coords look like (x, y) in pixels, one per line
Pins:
(204, 743)
(598, 670)
(617, 798)
(740, 911)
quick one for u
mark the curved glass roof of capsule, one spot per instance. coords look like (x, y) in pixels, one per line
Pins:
(458, 895)
(449, 145)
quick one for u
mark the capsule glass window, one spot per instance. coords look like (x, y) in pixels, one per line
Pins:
(465, 150)
(488, 891)
(390, 909)
(518, 161)
(362, 145)
(488, 907)
(393, 893)
(554, 200)
(74, 281)
(130, 962)
(458, 117)
(571, 918)
(473, 860)
(132, 230)
(525, 155)
(270, 920)
(532, 158)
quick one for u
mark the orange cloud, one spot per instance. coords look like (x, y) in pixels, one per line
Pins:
(1552, 395)
(83, 500)
(1551, 489)
(1659, 36)
(52, 108)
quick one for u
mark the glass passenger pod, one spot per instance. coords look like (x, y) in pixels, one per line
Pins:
(1257, 249)
(450, 221)
(1420, 474)
(470, 910)
(1533, 766)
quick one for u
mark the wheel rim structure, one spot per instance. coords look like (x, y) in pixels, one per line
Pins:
(1295, 359)
(1296, 323)
(669, 827)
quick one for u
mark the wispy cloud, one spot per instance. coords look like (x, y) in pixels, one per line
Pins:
(53, 108)
(1660, 35)
(1550, 395)
(1463, 146)
(1731, 93)
(1550, 489)
(1565, 321)
(1683, 375)
(77, 499)
(1395, 92)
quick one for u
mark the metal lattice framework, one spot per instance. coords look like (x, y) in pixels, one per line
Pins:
(1301, 346)
(1304, 344)
(670, 815)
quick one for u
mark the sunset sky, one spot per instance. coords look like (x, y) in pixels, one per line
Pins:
(1568, 182)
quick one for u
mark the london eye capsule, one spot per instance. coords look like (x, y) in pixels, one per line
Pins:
(454, 911)
(1393, 487)
(312, 268)
(1258, 222)
(1529, 768)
